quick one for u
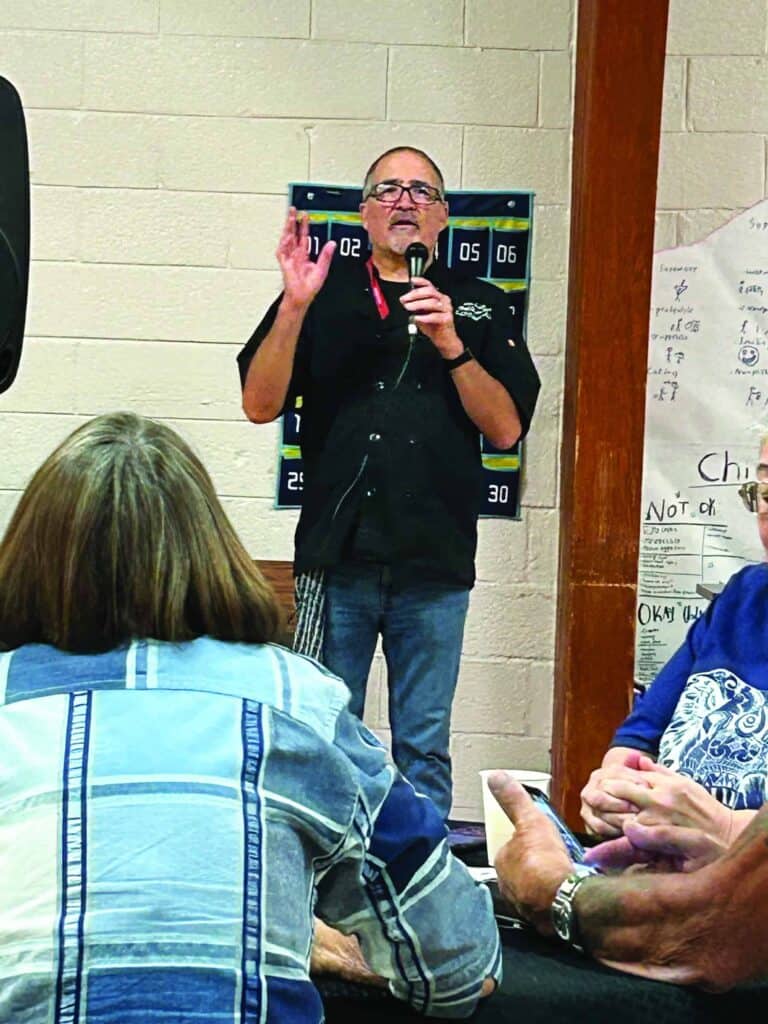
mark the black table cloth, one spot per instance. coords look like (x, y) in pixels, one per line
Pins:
(545, 983)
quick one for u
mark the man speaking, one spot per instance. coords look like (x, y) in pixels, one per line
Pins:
(401, 364)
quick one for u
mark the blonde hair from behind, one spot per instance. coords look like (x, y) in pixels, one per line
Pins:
(120, 535)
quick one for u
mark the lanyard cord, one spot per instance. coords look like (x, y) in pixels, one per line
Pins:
(382, 307)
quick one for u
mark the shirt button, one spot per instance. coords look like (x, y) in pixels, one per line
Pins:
(419, 385)
(412, 441)
(374, 437)
(379, 385)
(371, 492)
(409, 495)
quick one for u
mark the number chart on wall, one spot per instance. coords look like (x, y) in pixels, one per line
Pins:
(488, 234)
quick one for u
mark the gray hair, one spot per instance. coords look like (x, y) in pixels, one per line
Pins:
(368, 182)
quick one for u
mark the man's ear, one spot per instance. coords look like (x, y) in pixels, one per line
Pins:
(364, 215)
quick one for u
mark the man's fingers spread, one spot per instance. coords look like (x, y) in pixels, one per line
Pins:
(289, 228)
(326, 255)
(289, 235)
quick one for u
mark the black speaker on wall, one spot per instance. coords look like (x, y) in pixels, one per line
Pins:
(14, 231)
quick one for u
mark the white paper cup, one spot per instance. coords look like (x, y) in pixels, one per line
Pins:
(498, 827)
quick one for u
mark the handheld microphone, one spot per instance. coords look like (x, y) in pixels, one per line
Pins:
(416, 256)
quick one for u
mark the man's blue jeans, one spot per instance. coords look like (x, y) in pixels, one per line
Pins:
(421, 626)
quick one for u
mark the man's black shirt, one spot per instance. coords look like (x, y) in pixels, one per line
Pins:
(392, 465)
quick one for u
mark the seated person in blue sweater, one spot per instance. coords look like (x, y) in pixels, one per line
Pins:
(178, 794)
(694, 751)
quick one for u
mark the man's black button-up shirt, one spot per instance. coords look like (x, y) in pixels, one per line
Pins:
(385, 439)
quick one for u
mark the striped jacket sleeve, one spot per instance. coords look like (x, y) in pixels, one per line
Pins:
(422, 921)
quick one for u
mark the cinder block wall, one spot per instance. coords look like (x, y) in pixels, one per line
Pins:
(162, 136)
(715, 124)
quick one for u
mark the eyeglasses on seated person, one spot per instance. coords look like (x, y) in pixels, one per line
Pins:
(754, 494)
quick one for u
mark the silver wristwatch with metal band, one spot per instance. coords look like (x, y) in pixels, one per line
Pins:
(563, 912)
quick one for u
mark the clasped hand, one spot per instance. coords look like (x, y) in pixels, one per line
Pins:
(642, 791)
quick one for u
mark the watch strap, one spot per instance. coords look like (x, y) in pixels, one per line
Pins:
(459, 360)
(563, 912)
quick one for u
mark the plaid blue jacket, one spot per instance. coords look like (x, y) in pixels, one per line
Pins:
(170, 817)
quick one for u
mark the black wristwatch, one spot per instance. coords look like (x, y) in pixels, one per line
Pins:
(459, 360)
(563, 912)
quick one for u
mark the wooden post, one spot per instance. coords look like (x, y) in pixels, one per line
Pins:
(619, 80)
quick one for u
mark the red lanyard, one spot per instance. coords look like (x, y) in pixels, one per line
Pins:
(378, 295)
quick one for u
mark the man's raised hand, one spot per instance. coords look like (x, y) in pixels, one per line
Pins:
(302, 278)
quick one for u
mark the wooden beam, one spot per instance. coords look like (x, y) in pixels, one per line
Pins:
(618, 93)
(280, 575)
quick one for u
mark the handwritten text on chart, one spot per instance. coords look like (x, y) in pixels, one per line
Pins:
(706, 409)
(667, 613)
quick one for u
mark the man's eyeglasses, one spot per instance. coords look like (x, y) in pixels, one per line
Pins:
(389, 193)
(754, 494)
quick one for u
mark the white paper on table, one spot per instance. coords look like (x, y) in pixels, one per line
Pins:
(483, 874)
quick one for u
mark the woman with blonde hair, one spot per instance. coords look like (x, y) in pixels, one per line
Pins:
(177, 793)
